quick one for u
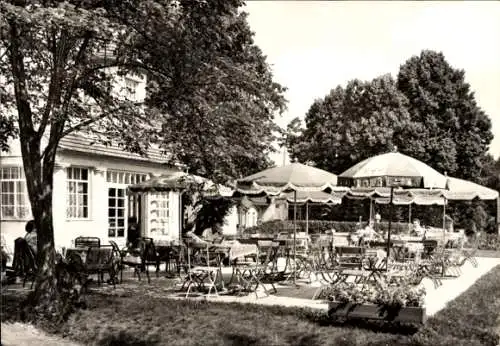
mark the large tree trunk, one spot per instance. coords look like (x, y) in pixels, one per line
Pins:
(46, 297)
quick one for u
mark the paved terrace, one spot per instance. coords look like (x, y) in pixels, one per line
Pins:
(436, 298)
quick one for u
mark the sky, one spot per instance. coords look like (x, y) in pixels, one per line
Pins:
(313, 46)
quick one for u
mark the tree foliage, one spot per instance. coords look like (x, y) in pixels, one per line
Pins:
(351, 124)
(454, 133)
(215, 92)
(209, 89)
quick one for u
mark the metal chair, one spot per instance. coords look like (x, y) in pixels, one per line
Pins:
(100, 260)
(85, 242)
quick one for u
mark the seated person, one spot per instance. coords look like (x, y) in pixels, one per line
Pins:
(367, 234)
(22, 248)
(417, 229)
(31, 236)
(195, 238)
(133, 232)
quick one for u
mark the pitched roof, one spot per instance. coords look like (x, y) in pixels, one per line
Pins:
(84, 144)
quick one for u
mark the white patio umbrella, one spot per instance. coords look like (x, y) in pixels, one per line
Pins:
(392, 170)
(294, 177)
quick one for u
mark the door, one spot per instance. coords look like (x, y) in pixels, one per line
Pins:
(117, 211)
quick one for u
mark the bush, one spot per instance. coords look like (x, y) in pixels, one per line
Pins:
(274, 227)
(488, 241)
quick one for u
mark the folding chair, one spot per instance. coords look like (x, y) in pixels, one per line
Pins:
(141, 258)
(119, 254)
(208, 270)
(30, 266)
(150, 256)
(251, 274)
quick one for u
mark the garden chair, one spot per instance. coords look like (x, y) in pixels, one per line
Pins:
(252, 274)
(101, 260)
(349, 260)
(85, 242)
(150, 257)
(141, 258)
(30, 266)
(206, 273)
(470, 252)
(118, 254)
(350, 257)
(324, 268)
(269, 252)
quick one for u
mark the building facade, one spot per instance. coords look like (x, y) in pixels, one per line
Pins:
(89, 194)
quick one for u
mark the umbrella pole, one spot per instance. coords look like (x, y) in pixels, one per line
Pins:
(307, 218)
(444, 221)
(294, 236)
(498, 215)
(389, 230)
(409, 213)
(371, 210)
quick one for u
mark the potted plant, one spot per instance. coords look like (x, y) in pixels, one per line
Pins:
(401, 303)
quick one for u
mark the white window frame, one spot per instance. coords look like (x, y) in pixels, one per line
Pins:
(88, 181)
(19, 179)
(125, 211)
(125, 178)
(159, 216)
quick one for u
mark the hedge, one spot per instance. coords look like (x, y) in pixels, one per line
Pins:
(319, 227)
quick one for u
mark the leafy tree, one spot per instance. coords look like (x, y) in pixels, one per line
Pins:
(215, 93)
(352, 124)
(60, 61)
(450, 132)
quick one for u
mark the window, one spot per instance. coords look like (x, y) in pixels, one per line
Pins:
(131, 89)
(77, 206)
(13, 194)
(159, 217)
(116, 212)
(128, 178)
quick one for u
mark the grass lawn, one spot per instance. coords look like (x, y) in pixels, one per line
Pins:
(133, 318)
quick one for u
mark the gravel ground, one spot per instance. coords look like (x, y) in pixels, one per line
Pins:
(14, 334)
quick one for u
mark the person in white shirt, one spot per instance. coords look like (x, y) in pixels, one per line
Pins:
(418, 230)
(31, 236)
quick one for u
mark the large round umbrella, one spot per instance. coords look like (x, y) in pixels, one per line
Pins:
(459, 189)
(294, 177)
(392, 170)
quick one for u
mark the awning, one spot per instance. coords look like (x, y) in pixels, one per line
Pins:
(315, 197)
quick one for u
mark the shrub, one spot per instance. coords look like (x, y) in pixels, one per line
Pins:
(488, 241)
(274, 227)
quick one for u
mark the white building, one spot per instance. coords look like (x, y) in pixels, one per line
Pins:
(89, 196)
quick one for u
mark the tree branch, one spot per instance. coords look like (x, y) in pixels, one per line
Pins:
(25, 115)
